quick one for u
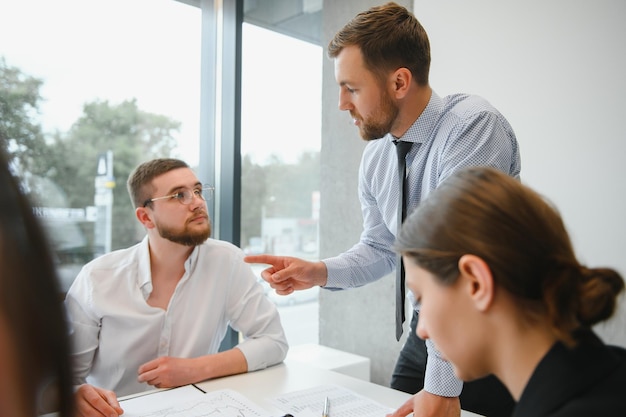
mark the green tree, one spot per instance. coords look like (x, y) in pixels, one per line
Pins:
(20, 133)
(253, 192)
(290, 186)
(277, 189)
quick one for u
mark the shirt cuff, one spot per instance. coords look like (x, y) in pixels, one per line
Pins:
(440, 378)
(334, 280)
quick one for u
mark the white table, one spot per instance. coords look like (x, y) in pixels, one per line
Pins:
(269, 383)
(325, 357)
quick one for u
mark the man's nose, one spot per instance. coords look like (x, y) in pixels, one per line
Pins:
(344, 102)
(196, 201)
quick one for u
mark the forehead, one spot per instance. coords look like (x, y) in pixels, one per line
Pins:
(176, 178)
(417, 276)
(350, 68)
(412, 269)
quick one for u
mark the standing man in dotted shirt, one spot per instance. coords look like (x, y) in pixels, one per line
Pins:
(382, 61)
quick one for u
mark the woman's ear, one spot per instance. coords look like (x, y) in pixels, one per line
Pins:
(477, 275)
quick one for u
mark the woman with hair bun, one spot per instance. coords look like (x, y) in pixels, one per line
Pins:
(502, 292)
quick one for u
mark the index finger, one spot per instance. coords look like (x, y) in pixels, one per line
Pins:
(263, 259)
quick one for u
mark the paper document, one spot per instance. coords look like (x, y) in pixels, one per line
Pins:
(189, 401)
(343, 402)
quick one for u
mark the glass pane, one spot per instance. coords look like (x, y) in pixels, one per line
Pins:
(94, 88)
(280, 142)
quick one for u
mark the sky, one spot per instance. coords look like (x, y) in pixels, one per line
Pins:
(149, 50)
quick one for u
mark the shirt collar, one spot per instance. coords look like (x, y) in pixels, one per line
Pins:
(144, 273)
(421, 129)
(144, 278)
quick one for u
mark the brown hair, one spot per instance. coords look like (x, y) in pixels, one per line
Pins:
(30, 303)
(389, 37)
(523, 240)
(139, 182)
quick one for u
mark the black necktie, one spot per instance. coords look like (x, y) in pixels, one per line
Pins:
(402, 148)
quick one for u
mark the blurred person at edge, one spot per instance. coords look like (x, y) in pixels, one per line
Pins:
(35, 374)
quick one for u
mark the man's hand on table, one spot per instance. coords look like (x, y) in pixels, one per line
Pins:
(96, 402)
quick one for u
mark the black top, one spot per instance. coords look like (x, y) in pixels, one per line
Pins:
(587, 380)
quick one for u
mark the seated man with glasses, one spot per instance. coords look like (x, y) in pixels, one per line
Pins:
(154, 314)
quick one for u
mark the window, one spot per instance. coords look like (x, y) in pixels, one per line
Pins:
(119, 82)
(280, 143)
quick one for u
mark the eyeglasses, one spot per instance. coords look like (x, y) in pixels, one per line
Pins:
(185, 196)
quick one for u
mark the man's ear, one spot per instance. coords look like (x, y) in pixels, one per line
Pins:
(401, 79)
(144, 217)
(479, 280)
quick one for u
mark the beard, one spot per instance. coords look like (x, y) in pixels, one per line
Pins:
(186, 236)
(382, 120)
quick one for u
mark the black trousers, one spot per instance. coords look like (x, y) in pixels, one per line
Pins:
(486, 396)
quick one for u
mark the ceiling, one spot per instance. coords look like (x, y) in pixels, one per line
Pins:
(301, 19)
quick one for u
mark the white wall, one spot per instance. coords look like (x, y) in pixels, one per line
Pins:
(557, 70)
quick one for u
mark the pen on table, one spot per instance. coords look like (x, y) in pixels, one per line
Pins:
(325, 413)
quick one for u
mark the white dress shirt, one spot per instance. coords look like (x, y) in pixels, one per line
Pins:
(114, 330)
